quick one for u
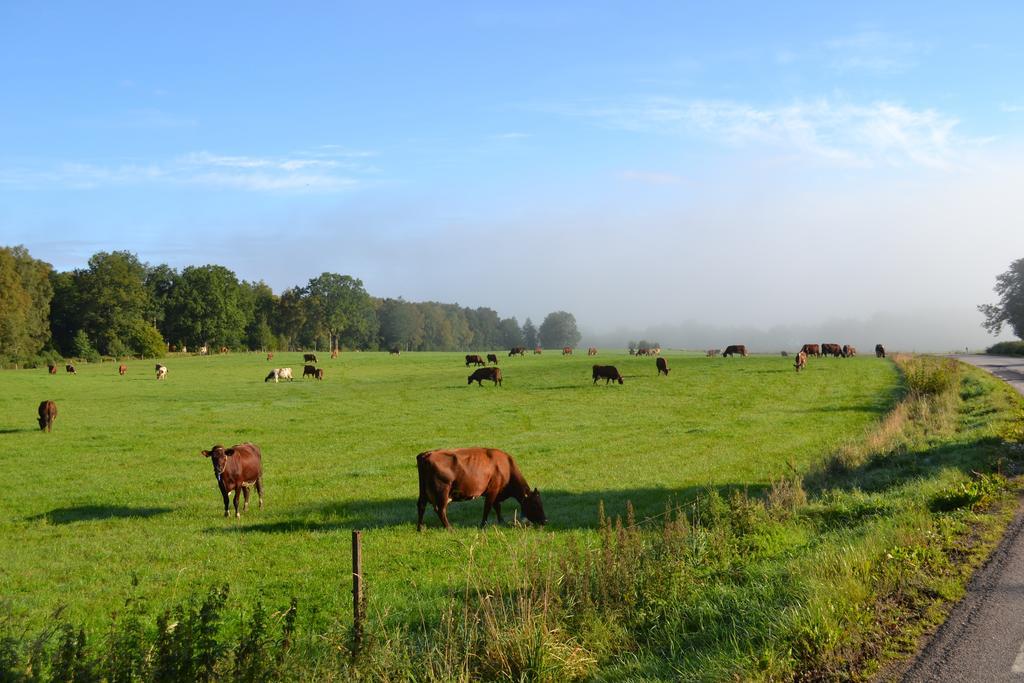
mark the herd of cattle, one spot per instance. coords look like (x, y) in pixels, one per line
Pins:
(444, 475)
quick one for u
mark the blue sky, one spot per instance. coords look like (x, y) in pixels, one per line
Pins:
(728, 163)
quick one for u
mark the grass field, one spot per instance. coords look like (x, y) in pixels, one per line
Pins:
(119, 489)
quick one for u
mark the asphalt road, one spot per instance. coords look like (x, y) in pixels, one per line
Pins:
(983, 639)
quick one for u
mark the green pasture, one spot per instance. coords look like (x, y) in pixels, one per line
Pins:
(119, 491)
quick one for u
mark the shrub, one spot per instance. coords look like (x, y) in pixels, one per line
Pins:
(1007, 348)
(931, 376)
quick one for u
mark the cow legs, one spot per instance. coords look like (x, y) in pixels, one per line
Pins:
(442, 512)
(421, 507)
(224, 493)
(245, 504)
(497, 511)
(238, 494)
(487, 511)
(259, 490)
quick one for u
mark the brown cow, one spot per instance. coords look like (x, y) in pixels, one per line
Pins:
(879, 351)
(52, 369)
(47, 415)
(834, 350)
(517, 351)
(474, 359)
(662, 366)
(734, 349)
(849, 351)
(713, 352)
(566, 350)
(811, 350)
(309, 357)
(270, 356)
(334, 354)
(480, 374)
(122, 369)
(69, 368)
(592, 351)
(801, 361)
(492, 358)
(223, 349)
(537, 351)
(460, 474)
(607, 373)
(319, 373)
(237, 469)
(308, 371)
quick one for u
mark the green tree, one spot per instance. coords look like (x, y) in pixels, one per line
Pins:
(1010, 309)
(260, 306)
(558, 330)
(206, 307)
(400, 324)
(511, 334)
(114, 298)
(530, 338)
(25, 296)
(340, 308)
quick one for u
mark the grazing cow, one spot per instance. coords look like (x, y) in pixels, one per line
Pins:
(879, 351)
(566, 350)
(480, 374)
(122, 369)
(270, 356)
(237, 469)
(51, 368)
(811, 350)
(592, 351)
(474, 359)
(334, 354)
(223, 349)
(849, 351)
(308, 371)
(70, 369)
(517, 351)
(280, 373)
(713, 352)
(395, 351)
(662, 366)
(537, 351)
(161, 371)
(607, 373)
(460, 474)
(319, 373)
(785, 354)
(309, 357)
(834, 350)
(734, 349)
(641, 351)
(47, 414)
(492, 358)
(801, 361)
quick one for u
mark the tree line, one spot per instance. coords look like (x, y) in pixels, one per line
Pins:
(117, 306)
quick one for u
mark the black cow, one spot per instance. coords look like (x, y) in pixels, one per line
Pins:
(607, 373)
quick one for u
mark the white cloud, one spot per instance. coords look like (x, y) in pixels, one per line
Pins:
(249, 173)
(876, 134)
(873, 51)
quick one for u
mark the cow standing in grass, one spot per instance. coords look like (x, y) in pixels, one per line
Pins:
(735, 349)
(161, 371)
(466, 473)
(608, 373)
(480, 374)
(47, 415)
(52, 369)
(474, 359)
(801, 361)
(879, 351)
(70, 369)
(237, 469)
(662, 365)
(492, 358)
(122, 369)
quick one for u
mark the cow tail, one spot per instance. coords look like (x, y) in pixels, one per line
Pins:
(421, 470)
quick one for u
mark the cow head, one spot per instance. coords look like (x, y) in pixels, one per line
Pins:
(272, 375)
(219, 457)
(620, 379)
(533, 508)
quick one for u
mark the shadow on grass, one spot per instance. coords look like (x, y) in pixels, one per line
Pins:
(90, 513)
(565, 510)
(16, 430)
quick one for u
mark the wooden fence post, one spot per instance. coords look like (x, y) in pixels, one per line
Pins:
(357, 590)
